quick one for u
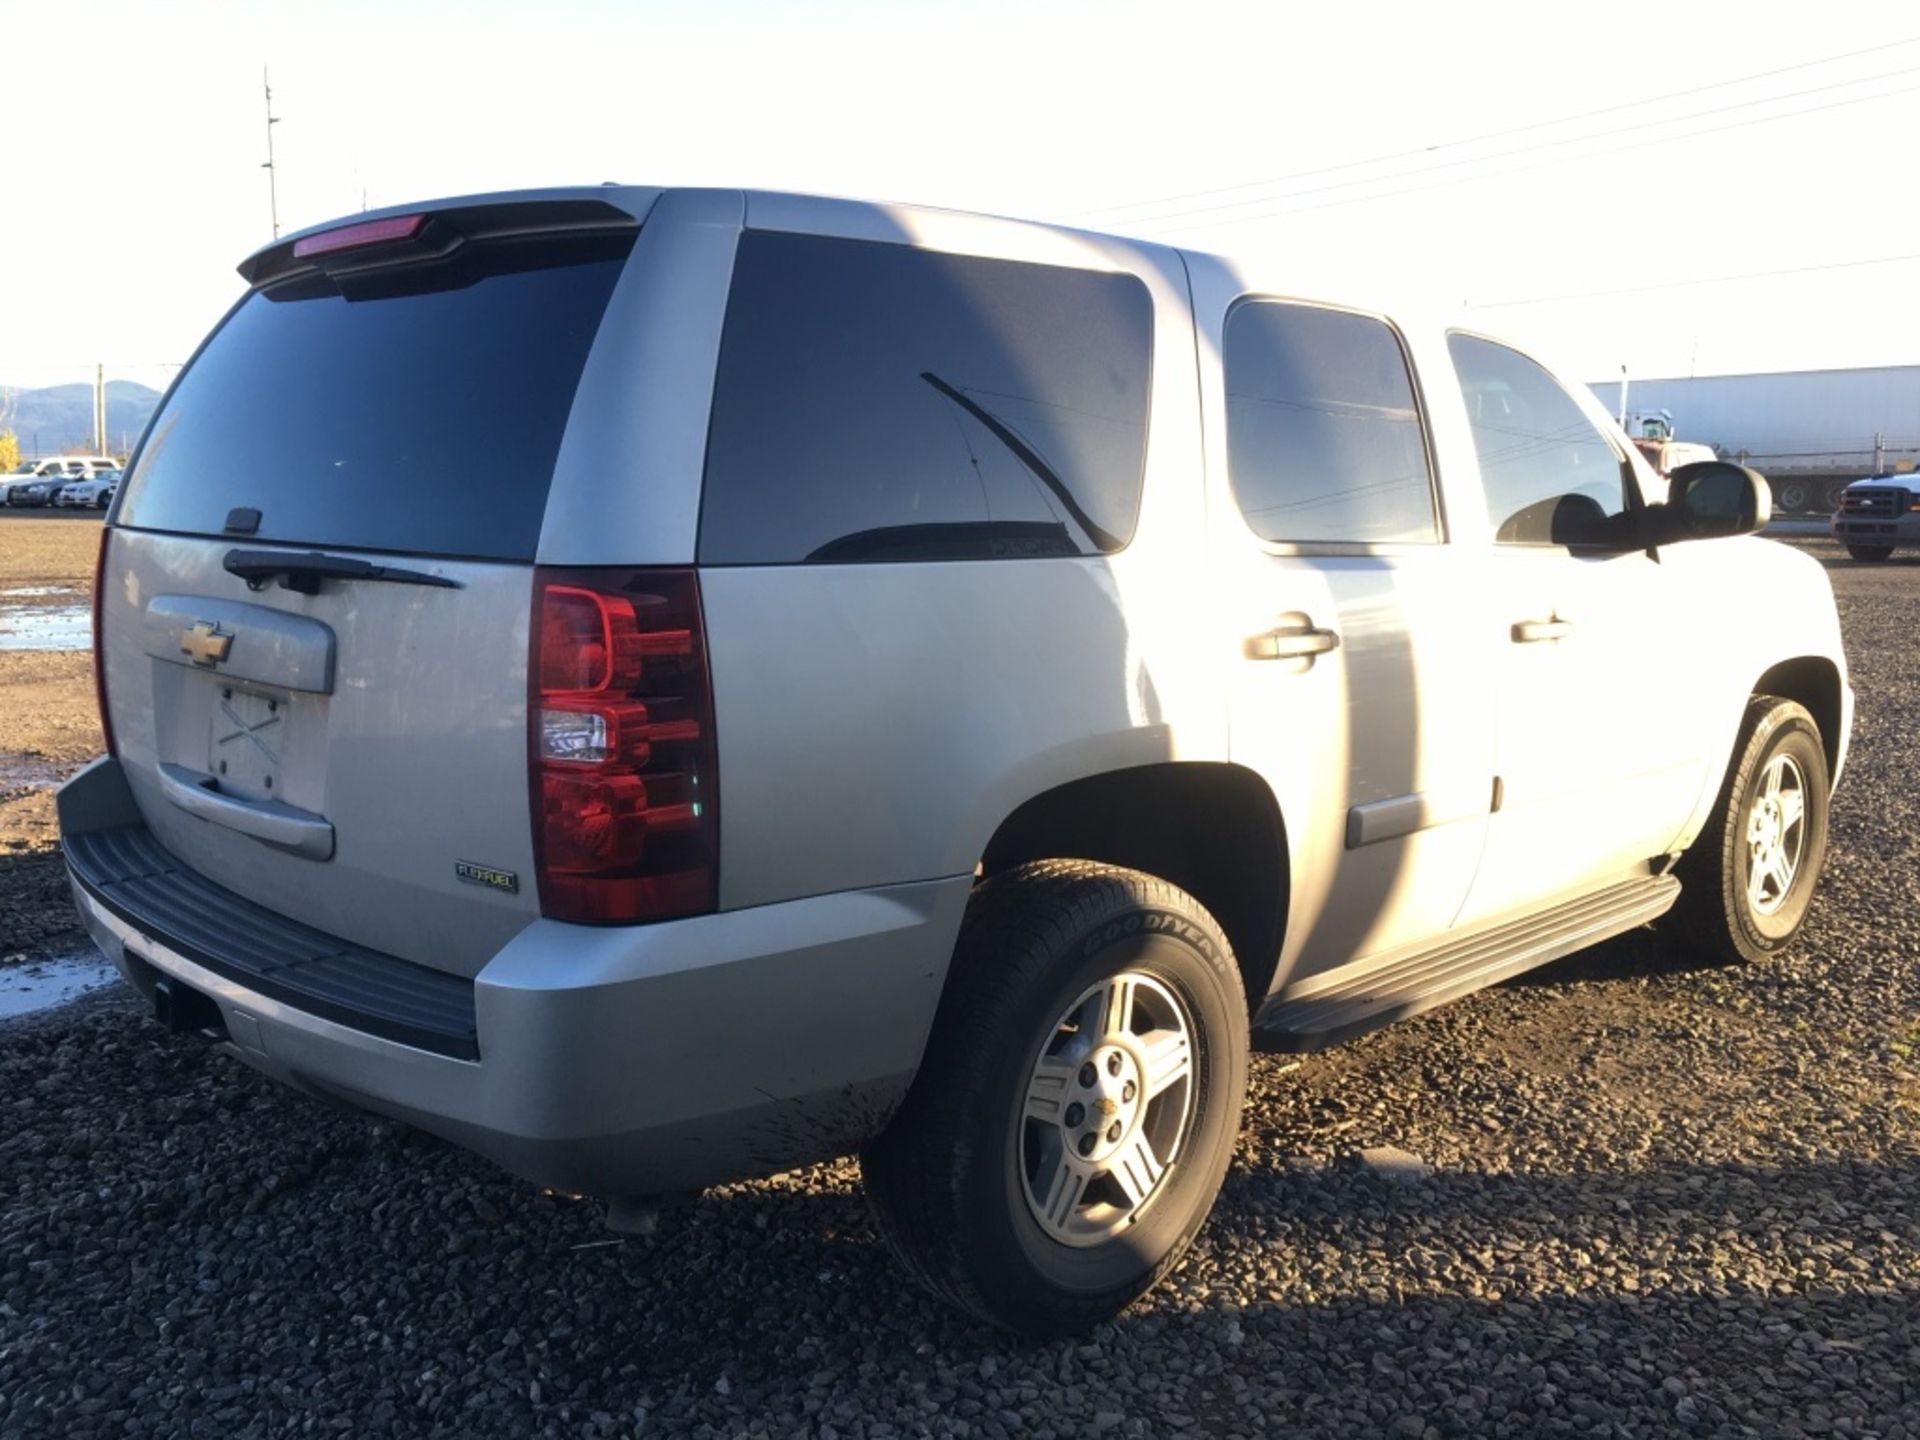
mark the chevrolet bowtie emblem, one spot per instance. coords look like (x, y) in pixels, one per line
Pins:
(203, 641)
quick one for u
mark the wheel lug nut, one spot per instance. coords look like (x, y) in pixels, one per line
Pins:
(1088, 1075)
(1113, 1063)
(1113, 1132)
(1127, 1092)
(1076, 1112)
(1087, 1143)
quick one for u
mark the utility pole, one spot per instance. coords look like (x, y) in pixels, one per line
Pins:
(273, 195)
(1623, 397)
(100, 409)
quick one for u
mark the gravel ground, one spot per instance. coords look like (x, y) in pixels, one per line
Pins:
(1663, 1199)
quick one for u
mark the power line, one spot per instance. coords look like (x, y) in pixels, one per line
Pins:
(1420, 172)
(1702, 280)
(1493, 134)
(1539, 164)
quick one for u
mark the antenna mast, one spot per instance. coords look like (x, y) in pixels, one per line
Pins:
(273, 191)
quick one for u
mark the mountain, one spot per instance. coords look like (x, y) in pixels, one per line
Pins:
(58, 417)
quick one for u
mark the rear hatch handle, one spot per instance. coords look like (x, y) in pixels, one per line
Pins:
(304, 570)
(285, 826)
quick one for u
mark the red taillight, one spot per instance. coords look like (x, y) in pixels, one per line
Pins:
(99, 642)
(352, 237)
(620, 721)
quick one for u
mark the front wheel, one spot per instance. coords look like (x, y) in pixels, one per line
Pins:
(1871, 554)
(1078, 1102)
(1747, 882)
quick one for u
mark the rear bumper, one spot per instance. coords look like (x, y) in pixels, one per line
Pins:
(617, 1061)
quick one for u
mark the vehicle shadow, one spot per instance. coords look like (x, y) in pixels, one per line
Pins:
(1338, 1299)
(1899, 560)
(319, 1263)
(1637, 955)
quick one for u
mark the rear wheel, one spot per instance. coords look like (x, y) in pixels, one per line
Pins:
(1749, 879)
(1871, 554)
(1078, 1102)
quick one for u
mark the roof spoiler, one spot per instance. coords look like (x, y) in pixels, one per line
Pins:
(426, 236)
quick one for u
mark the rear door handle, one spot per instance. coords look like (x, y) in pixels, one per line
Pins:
(286, 826)
(1290, 643)
(1526, 632)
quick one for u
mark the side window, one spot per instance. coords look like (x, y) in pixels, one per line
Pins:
(876, 402)
(1324, 441)
(1550, 476)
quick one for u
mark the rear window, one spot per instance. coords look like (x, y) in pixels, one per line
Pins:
(875, 402)
(416, 409)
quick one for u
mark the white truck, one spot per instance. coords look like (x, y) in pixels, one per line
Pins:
(1878, 515)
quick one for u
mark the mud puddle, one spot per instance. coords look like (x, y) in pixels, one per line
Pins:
(43, 984)
(43, 617)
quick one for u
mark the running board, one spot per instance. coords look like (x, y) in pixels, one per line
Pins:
(1325, 1009)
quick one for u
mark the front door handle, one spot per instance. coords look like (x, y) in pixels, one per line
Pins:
(1301, 642)
(1526, 632)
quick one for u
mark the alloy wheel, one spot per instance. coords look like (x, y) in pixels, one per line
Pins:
(1106, 1109)
(1776, 833)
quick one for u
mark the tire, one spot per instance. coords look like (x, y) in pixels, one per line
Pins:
(950, 1179)
(1723, 907)
(1793, 496)
(1870, 554)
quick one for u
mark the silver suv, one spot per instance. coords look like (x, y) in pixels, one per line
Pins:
(667, 686)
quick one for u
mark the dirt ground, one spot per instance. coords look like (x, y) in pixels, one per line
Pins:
(48, 729)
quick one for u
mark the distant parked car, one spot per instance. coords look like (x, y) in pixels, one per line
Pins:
(27, 472)
(37, 490)
(95, 493)
(39, 482)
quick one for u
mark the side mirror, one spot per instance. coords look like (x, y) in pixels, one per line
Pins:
(1710, 500)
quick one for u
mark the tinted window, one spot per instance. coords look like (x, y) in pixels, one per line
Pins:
(877, 402)
(1550, 476)
(1323, 433)
(420, 411)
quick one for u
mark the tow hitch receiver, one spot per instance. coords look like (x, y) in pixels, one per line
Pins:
(183, 1009)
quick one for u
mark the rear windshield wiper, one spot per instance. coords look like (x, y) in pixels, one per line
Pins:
(304, 571)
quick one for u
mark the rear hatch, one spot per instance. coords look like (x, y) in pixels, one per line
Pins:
(319, 583)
